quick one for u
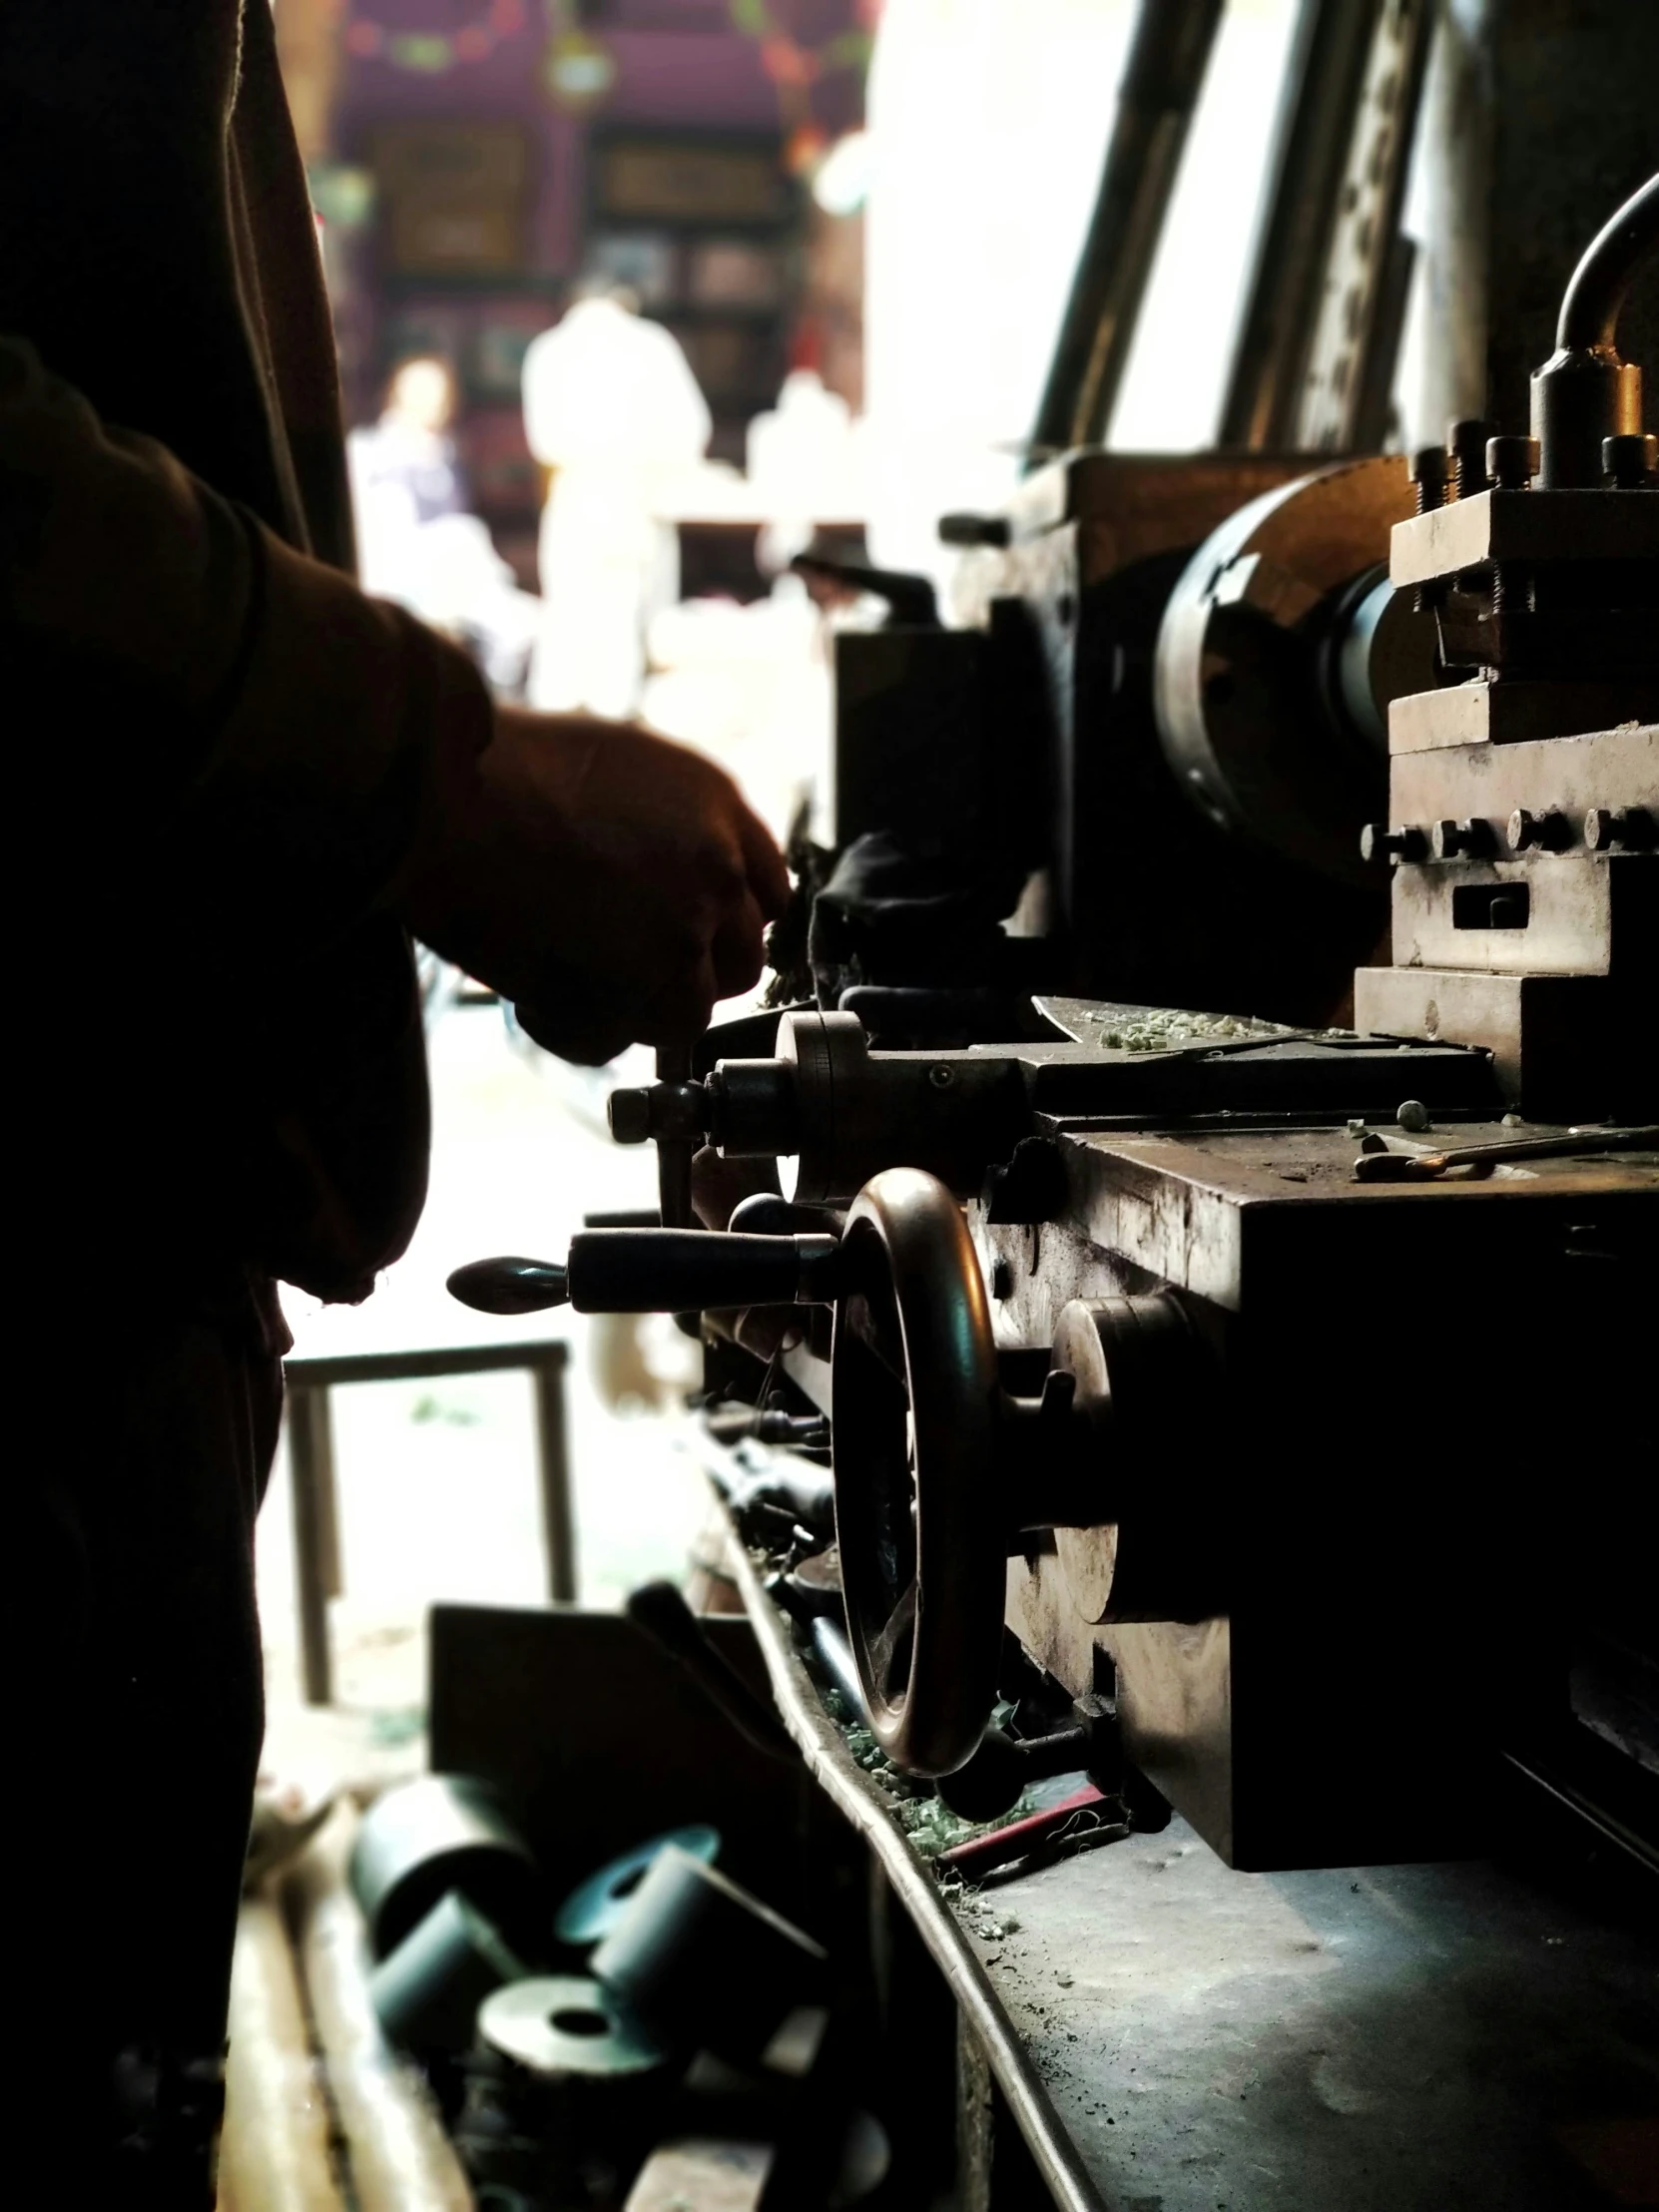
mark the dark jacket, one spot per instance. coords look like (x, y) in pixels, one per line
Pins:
(221, 756)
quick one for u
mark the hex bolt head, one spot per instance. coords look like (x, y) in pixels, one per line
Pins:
(1511, 463)
(1449, 841)
(1632, 461)
(629, 1114)
(1412, 1117)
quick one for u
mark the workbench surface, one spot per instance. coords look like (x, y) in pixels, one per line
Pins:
(1175, 2036)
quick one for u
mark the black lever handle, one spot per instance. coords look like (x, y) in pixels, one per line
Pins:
(911, 600)
(510, 1286)
(658, 1271)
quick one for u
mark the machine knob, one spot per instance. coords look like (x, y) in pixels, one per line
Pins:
(1452, 841)
(1378, 842)
(510, 1286)
(1632, 826)
(1528, 832)
(972, 529)
(674, 1112)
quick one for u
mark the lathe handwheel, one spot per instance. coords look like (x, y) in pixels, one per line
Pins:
(917, 1519)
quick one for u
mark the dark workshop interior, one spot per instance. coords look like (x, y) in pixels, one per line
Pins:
(843, 1104)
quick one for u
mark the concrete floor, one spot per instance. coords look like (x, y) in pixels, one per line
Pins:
(437, 1480)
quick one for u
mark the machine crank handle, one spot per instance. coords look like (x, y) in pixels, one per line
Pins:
(509, 1286)
(658, 1271)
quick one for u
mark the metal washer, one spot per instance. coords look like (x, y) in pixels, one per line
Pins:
(559, 2025)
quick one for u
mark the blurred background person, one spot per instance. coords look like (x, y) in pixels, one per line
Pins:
(612, 408)
(417, 543)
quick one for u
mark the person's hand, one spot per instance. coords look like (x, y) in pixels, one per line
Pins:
(610, 883)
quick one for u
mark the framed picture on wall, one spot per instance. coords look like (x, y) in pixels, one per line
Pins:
(689, 180)
(453, 195)
(647, 261)
(500, 341)
(734, 273)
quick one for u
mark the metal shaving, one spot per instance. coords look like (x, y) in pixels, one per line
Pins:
(1113, 1028)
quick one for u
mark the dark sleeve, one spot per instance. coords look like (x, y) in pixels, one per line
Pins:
(181, 683)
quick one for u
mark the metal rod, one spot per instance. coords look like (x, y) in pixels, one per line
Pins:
(1595, 293)
(1162, 74)
(674, 1154)
(1312, 139)
(558, 1522)
(317, 1562)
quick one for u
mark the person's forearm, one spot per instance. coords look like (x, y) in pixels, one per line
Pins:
(286, 736)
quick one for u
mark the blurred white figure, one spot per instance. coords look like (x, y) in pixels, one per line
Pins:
(403, 476)
(803, 466)
(416, 544)
(612, 408)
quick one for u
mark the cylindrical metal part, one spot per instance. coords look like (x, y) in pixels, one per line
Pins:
(563, 2081)
(1136, 1362)
(1402, 843)
(836, 1657)
(1255, 703)
(510, 1284)
(427, 1992)
(594, 1906)
(1579, 400)
(1375, 653)
(702, 1964)
(754, 1113)
(440, 1832)
(678, 1270)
